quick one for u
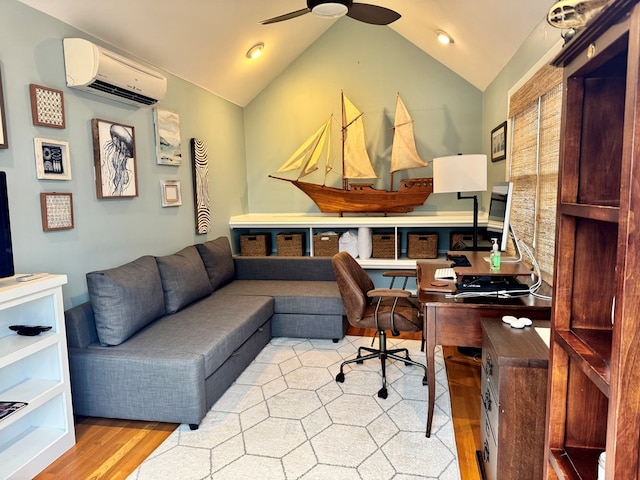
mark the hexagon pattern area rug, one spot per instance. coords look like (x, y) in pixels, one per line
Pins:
(287, 418)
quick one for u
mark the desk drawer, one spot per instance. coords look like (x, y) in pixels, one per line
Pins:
(490, 403)
(490, 367)
(489, 448)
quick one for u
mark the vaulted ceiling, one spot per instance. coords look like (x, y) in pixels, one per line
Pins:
(205, 41)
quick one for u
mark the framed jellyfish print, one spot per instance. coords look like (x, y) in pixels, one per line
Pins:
(114, 156)
(52, 159)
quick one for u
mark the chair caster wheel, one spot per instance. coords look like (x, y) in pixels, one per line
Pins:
(340, 377)
(424, 381)
(382, 393)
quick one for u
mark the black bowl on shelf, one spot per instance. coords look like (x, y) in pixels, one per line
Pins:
(29, 330)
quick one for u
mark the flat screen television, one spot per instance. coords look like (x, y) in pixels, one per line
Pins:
(499, 212)
(6, 249)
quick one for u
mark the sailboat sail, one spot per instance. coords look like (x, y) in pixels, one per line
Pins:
(356, 159)
(311, 150)
(404, 154)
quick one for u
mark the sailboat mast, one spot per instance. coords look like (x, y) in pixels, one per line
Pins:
(345, 183)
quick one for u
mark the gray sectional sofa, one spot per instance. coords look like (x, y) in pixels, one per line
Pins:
(162, 338)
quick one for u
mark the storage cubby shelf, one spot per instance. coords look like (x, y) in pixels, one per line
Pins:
(313, 224)
(34, 370)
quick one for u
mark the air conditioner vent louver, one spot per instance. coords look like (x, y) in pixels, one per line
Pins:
(121, 92)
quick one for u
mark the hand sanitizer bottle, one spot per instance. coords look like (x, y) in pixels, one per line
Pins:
(494, 258)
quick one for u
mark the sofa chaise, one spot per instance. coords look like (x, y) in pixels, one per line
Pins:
(162, 338)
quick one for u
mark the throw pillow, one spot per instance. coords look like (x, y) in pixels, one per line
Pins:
(125, 299)
(184, 278)
(218, 260)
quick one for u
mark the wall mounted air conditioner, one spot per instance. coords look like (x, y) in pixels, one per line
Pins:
(96, 70)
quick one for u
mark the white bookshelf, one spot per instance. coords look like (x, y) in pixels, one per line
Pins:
(34, 370)
(313, 224)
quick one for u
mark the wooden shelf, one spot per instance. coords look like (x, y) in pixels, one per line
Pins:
(591, 350)
(594, 212)
(302, 220)
(575, 463)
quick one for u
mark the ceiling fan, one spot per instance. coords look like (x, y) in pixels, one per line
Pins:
(364, 12)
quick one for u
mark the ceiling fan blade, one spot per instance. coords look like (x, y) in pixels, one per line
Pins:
(286, 16)
(373, 14)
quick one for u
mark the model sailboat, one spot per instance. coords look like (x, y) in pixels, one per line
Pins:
(360, 197)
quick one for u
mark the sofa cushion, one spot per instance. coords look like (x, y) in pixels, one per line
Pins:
(297, 297)
(214, 327)
(184, 278)
(218, 260)
(125, 299)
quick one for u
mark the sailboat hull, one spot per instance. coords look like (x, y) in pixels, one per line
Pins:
(363, 198)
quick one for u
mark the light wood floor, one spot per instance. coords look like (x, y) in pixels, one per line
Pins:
(112, 449)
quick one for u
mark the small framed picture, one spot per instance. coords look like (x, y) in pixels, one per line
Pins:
(52, 159)
(171, 193)
(47, 106)
(114, 157)
(499, 142)
(57, 211)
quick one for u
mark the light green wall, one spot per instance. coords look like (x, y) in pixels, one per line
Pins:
(496, 96)
(107, 232)
(371, 64)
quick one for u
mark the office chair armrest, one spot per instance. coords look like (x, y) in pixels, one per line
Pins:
(399, 273)
(388, 292)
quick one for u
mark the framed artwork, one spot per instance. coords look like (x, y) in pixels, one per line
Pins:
(52, 159)
(57, 211)
(3, 122)
(114, 157)
(499, 142)
(47, 106)
(199, 151)
(168, 144)
(171, 193)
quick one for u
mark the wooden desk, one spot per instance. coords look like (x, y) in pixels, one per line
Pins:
(457, 322)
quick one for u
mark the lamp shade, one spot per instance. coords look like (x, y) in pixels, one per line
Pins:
(460, 173)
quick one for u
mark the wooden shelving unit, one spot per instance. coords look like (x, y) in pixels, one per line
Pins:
(34, 370)
(594, 385)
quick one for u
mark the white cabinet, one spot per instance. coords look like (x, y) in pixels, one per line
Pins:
(34, 370)
(312, 224)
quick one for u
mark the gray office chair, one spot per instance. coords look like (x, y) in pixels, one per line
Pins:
(382, 309)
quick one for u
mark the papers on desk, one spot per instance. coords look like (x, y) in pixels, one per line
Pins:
(545, 334)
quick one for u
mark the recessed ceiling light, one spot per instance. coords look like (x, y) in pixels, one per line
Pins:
(444, 37)
(255, 51)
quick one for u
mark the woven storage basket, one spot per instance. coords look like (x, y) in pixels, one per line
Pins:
(255, 244)
(384, 245)
(461, 240)
(422, 245)
(290, 244)
(325, 245)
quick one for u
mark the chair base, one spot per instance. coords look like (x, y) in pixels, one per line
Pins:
(382, 353)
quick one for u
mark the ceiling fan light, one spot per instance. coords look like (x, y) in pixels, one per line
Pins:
(330, 9)
(443, 37)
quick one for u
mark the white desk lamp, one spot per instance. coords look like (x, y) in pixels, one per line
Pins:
(462, 173)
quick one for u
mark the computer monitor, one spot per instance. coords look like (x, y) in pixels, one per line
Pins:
(499, 212)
